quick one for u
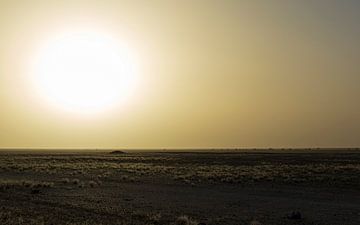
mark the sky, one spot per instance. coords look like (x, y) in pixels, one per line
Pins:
(212, 74)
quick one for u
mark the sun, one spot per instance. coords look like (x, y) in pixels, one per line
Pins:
(84, 72)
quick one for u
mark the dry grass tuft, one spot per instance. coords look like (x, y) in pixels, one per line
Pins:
(185, 220)
(65, 180)
(76, 181)
(92, 183)
(255, 222)
(11, 184)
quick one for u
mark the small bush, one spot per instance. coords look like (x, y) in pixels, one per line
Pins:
(92, 183)
(255, 222)
(81, 185)
(185, 220)
(10, 184)
(65, 180)
(76, 181)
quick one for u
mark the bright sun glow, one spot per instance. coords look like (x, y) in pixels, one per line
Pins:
(84, 72)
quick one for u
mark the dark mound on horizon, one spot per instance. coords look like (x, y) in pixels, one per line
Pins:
(117, 152)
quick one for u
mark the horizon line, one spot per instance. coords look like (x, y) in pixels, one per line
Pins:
(176, 148)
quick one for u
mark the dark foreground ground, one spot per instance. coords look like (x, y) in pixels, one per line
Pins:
(229, 188)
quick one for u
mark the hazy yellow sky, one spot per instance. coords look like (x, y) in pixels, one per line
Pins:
(225, 73)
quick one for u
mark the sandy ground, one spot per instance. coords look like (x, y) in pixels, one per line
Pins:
(158, 188)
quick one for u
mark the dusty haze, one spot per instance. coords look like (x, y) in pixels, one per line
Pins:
(213, 74)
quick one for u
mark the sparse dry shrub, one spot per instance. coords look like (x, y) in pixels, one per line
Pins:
(65, 180)
(98, 182)
(81, 185)
(255, 222)
(9, 184)
(43, 185)
(92, 183)
(124, 177)
(139, 215)
(27, 184)
(185, 220)
(75, 181)
(154, 218)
